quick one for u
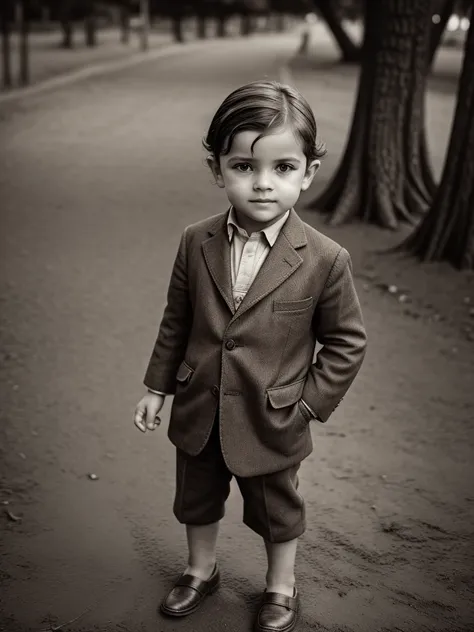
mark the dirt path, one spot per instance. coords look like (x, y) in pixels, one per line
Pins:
(99, 181)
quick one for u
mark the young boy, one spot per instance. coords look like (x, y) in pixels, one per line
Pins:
(251, 291)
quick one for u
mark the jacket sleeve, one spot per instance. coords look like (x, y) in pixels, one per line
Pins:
(339, 327)
(172, 340)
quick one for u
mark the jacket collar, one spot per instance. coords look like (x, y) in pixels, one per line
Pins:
(271, 232)
(293, 228)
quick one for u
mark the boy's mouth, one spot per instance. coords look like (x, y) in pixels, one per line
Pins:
(263, 201)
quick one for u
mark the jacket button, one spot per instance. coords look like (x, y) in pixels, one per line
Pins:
(230, 344)
(215, 391)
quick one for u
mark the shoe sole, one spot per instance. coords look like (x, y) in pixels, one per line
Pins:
(184, 613)
(257, 628)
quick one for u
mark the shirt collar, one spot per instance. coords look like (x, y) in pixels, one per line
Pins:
(271, 232)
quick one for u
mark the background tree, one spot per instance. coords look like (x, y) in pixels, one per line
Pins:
(447, 231)
(144, 8)
(24, 28)
(222, 11)
(6, 16)
(383, 176)
(203, 11)
(331, 12)
(125, 11)
(178, 12)
(66, 21)
(90, 22)
(244, 8)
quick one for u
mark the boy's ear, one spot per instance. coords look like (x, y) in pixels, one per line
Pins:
(310, 173)
(214, 166)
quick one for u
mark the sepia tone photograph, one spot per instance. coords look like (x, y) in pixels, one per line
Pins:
(237, 316)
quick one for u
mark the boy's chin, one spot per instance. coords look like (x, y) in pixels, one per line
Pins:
(261, 212)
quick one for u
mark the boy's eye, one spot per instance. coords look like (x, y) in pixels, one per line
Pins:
(244, 167)
(284, 168)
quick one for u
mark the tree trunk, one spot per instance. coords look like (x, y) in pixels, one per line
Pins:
(280, 22)
(125, 24)
(6, 47)
(67, 35)
(177, 22)
(384, 176)
(351, 53)
(447, 231)
(245, 24)
(90, 31)
(201, 26)
(221, 25)
(90, 25)
(66, 24)
(145, 24)
(24, 43)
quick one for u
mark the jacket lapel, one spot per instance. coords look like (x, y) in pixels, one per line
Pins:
(216, 252)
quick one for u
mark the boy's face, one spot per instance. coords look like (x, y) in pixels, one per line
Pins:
(262, 186)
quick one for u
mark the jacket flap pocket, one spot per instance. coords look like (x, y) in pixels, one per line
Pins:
(184, 372)
(281, 396)
(292, 306)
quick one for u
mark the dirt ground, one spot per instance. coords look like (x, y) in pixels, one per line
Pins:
(390, 500)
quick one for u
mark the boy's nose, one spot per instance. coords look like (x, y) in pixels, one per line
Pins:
(263, 183)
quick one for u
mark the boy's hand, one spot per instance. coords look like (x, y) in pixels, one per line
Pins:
(146, 412)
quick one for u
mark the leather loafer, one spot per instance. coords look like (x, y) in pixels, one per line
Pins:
(188, 593)
(278, 613)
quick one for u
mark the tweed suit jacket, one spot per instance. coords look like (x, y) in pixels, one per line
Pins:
(255, 363)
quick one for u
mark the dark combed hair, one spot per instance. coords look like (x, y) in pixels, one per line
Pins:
(263, 106)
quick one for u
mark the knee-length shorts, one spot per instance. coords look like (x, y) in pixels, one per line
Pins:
(273, 507)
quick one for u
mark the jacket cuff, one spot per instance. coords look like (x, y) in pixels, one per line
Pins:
(310, 410)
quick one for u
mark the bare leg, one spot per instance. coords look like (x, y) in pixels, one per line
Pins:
(202, 540)
(281, 566)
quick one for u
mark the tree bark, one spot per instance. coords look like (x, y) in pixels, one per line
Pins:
(351, 53)
(384, 176)
(447, 231)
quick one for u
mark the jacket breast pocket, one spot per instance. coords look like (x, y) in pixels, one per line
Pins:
(294, 307)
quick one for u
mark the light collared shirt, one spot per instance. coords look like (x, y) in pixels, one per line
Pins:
(247, 255)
